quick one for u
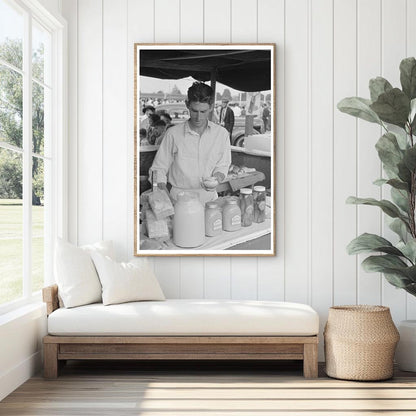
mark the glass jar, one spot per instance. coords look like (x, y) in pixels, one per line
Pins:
(213, 219)
(246, 206)
(231, 216)
(188, 221)
(259, 197)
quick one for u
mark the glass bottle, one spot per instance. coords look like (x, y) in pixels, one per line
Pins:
(213, 219)
(188, 221)
(247, 207)
(259, 196)
(231, 216)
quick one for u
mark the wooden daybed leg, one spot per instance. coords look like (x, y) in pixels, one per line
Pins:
(50, 360)
(310, 360)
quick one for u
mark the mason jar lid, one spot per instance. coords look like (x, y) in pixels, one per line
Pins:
(211, 204)
(246, 191)
(260, 188)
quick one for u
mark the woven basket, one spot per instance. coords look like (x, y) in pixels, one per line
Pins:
(360, 341)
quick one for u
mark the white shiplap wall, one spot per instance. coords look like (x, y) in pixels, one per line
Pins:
(326, 50)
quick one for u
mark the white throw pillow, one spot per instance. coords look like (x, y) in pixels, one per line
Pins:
(126, 282)
(75, 273)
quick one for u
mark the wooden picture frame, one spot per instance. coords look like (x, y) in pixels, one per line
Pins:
(242, 77)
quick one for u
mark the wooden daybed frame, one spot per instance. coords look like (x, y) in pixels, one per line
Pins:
(58, 349)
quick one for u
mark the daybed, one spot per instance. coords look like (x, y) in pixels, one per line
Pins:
(181, 329)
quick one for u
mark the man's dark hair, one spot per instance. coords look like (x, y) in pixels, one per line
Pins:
(200, 92)
(159, 123)
(148, 107)
(154, 118)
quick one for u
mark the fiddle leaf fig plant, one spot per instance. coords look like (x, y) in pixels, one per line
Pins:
(394, 109)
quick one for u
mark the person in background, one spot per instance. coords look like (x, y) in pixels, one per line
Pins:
(153, 119)
(194, 150)
(158, 132)
(147, 111)
(167, 119)
(143, 137)
(226, 117)
(265, 115)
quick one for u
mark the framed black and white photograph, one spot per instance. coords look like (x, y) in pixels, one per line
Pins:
(204, 150)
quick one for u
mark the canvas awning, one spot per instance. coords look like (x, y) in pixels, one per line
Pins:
(242, 69)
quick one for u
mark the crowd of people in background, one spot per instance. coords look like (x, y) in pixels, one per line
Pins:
(154, 123)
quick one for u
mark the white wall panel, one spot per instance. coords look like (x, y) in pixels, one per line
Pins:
(90, 127)
(271, 29)
(70, 11)
(297, 147)
(368, 163)
(115, 109)
(244, 21)
(167, 21)
(217, 274)
(321, 156)
(217, 21)
(345, 151)
(191, 21)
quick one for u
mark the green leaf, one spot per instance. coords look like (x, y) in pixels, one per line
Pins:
(398, 184)
(388, 208)
(410, 158)
(359, 107)
(366, 243)
(397, 280)
(392, 107)
(389, 151)
(408, 249)
(380, 182)
(385, 262)
(400, 198)
(404, 173)
(401, 137)
(408, 77)
(400, 228)
(378, 86)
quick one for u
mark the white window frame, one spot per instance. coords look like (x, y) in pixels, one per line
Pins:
(58, 211)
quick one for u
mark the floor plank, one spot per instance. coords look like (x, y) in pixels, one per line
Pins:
(200, 388)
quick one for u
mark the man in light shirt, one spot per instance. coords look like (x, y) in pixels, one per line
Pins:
(193, 150)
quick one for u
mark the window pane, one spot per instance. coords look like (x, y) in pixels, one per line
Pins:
(11, 34)
(11, 226)
(11, 106)
(41, 46)
(38, 118)
(38, 230)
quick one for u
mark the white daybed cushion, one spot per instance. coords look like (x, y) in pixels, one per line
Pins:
(126, 282)
(187, 317)
(75, 273)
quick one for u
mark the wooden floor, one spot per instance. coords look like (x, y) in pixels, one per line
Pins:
(192, 389)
